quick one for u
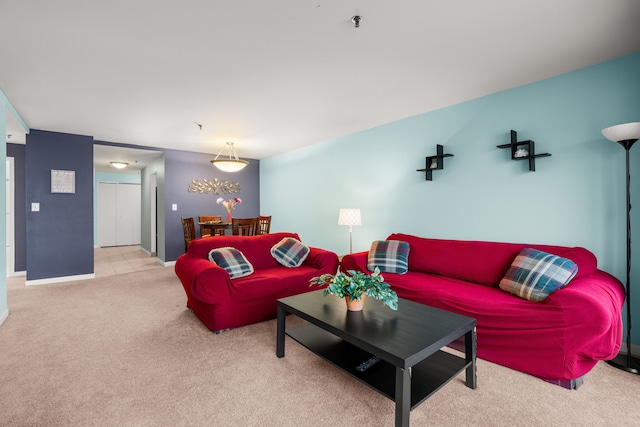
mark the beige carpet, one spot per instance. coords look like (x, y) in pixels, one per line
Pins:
(124, 351)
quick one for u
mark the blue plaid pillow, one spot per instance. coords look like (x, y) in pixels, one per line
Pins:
(231, 260)
(534, 275)
(290, 252)
(390, 256)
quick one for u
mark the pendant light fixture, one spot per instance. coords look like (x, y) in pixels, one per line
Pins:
(230, 164)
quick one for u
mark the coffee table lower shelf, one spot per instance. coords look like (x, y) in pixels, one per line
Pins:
(427, 377)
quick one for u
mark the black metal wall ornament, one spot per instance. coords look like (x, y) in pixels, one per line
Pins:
(523, 150)
(434, 162)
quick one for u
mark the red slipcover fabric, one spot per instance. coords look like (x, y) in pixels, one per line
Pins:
(559, 339)
(222, 303)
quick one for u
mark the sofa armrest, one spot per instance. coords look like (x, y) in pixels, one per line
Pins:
(321, 259)
(204, 280)
(592, 308)
(356, 261)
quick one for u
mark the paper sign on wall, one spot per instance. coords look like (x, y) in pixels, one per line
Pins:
(63, 181)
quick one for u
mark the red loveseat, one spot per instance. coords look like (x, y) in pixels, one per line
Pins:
(559, 339)
(222, 303)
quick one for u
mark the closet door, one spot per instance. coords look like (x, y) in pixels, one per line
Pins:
(106, 214)
(128, 214)
(119, 215)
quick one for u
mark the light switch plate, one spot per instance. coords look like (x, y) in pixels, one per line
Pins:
(35, 207)
(174, 207)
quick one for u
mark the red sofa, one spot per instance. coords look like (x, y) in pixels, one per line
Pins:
(559, 339)
(222, 303)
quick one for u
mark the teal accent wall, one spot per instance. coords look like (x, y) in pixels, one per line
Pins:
(576, 197)
(121, 178)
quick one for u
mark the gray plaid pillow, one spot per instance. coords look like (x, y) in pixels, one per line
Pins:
(290, 252)
(231, 260)
(390, 256)
(534, 274)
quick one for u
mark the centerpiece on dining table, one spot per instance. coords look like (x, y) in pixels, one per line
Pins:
(229, 204)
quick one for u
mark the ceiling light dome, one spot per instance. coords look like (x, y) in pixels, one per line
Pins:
(230, 164)
(119, 165)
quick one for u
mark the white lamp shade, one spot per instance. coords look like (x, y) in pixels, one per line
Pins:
(231, 163)
(349, 217)
(625, 132)
(227, 165)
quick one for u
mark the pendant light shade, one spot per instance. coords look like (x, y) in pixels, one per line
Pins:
(231, 163)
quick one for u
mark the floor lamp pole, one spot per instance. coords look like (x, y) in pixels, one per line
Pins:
(627, 362)
(350, 239)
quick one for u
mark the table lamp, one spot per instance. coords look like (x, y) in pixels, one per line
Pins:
(349, 217)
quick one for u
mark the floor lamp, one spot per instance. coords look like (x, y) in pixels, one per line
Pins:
(626, 135)
(349, 217)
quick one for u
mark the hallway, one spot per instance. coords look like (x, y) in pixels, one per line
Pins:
(122, 259)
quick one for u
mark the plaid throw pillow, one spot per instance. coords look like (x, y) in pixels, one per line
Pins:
(290, 252)
(390, 256)
(231, 260)
(534, 275)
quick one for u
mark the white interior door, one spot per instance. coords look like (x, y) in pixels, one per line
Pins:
(10, 195)
(119, 214)
(106, 214)
(128, 214)
(153, 192)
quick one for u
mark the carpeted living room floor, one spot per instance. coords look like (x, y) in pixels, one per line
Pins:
(123, 350)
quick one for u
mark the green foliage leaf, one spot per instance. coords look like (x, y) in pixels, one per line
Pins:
(356, 283)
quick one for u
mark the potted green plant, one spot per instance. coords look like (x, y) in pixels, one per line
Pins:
(354, 285)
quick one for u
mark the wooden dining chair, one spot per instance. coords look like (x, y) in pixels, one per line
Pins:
(189, 229)
(244, 226)
(264, 224)
(206, 232)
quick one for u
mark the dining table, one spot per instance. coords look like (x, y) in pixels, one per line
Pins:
(215, 226)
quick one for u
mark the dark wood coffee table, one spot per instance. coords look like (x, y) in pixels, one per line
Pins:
(397, 353)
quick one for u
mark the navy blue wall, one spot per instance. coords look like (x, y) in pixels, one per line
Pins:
(180, 168)
(60, 236)
(17, 151)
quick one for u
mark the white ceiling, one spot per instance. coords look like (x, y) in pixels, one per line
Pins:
(279, 74)
(137, 159)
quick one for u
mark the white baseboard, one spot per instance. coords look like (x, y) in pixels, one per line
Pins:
(4, 316)
(60, 279)
(17, 273)
(165, 263)
(149, 253)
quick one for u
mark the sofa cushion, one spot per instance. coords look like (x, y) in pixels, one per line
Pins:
(535, 274)
(390, 256)
(231, 260)
(290, 252)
